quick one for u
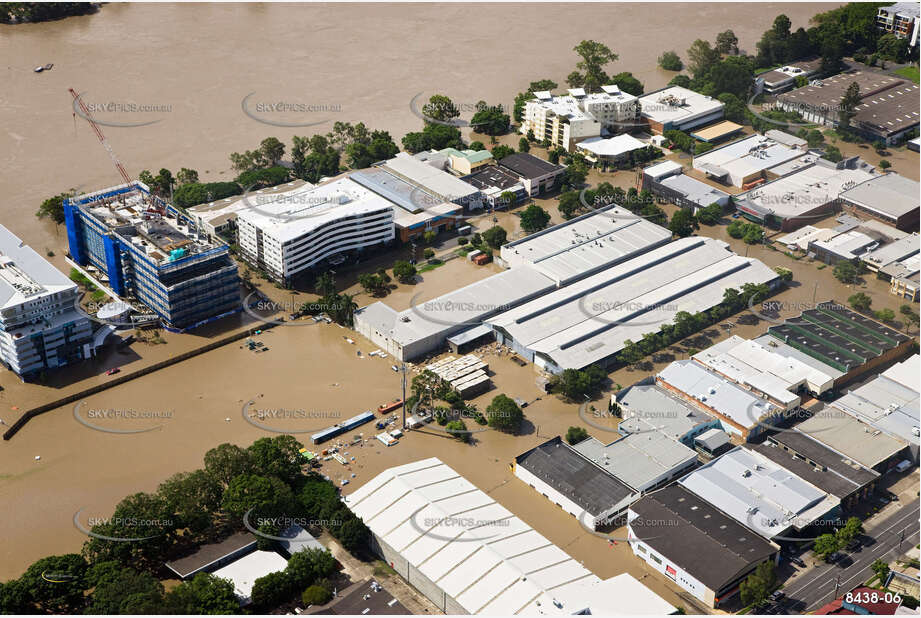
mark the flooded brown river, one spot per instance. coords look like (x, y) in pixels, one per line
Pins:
(193, 65)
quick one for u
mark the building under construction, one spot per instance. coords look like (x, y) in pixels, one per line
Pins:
(145, 249)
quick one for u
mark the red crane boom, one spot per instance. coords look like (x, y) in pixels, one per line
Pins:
(102, 138)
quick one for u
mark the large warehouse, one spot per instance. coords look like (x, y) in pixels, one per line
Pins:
(470, 555)
(589, 321)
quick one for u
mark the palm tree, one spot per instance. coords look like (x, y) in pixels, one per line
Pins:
(325, 285)
(346, 308)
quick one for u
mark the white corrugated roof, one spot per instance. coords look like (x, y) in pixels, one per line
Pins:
(481, 554)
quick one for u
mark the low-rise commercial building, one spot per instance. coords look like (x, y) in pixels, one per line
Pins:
(218, 220)
(300, 230)
(667, 180)
(587, 491)
(761, 495)
(695, 544)
(606, 150)
(891, 198)
(644, 460)
(431, 178)
(805, 455)
(746, 161)
(571, 118)
(469, 555)
(781, 80)
(537, 176)
(645, 407)
(459, 162)
(589, 321)
(40, 327)
(712, 443)
(495, 183)
(898, 251)
(717, 132)
(800, 239)
(847, 247)
(889, 402)
(841, 339)
(740, 411)
(802, 197)
(244, 572)
(150, 251)
(678, 108)
(861, 443)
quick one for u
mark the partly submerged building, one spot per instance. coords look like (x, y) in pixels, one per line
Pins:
(148, 250)
(40, 327)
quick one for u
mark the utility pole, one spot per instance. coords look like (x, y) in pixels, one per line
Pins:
(837, 583)
(403, 372)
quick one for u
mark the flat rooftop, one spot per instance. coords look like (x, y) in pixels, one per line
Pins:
(717, 131)
(676, 105)
(220, 211)
(526, 165)
(801, 192)
(747, 156)
(843, 475)
(806, 234)
(411, 205)
(244, 571)
(827, 92)
(648, 407)
(889, 194)
(848, 246)
(694, 190)
(782, 348)
(829, 480)
(592, 487)
(697, 537)
(589, 320)
(739, 405)
(292, 214)
(897, 251)
(611, 146)
(845, 434)
(583, 245)
(209, 554)
(890, 111)
(436, 181)
(492, 176)
(24, 274)
(758, 493)
(638, 459)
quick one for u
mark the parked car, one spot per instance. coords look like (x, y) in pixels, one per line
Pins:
(892, 496)
(776, 595)
(797, 562)
(833, 557)
(112, 371)
(854, 546)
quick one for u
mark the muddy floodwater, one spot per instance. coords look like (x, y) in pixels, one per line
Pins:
(194, 64)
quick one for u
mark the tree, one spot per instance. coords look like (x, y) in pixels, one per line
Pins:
(185, 176)
(524, 145)
(504, 414)
(194, 497)
(575, 174)
(501, 151)
(814, 138)
(459, 430)
(892, 48)
(314, 157)
(477, 146)
(122, 590)
(683, 223)
(278, 457)
(310, 565)
(354, 535)
(670, 61)
(727, 42)
(226, 461)
(845, 272)
(884, 315)
(534, 218)
(146, 521)
(849, 531)
(757, 586)
(196, 193)
(909, 315)
(849, 103)
(53, 208)
(404, 271)
(440, 107)
(433, 137)
(380, 147)
(732, 75)
(489, 120)
(570, 204)
(316, 595)
(710, 215)
(590, 74)
(785, 274)
(860, 301)
(884, 164)
(881, 569)
(734, 109)
(825, 545)
(60, 594)
(204, 594)
(272, 590)
(271, 151)
(574, 435)
(626, 82)
(265, 496)
(325, 285)
(832, 154)
(701, 57)
(495, 236)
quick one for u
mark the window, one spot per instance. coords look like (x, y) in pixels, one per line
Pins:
(656, 558)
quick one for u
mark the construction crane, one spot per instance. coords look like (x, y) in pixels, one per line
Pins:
(102, 138)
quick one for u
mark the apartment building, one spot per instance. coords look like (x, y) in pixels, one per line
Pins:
(568, 119)
(40, 327)
(900, 19)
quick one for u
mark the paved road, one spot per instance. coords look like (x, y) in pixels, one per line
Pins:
(818, 586)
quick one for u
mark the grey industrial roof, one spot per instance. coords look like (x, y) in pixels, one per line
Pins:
(592, 487)
(782, 348)
(889, 194)
(694, 190)
(890, 111)
(696, 536)
(894, 252)
(528, 166)
(827, 479)
(647, 406)
(489, 176)
(583, 245)
(210, 553)
(845, 434)
(638, 459)
(712, 439)
(24, 273)
(783, 137)
(828, 91)
(758, 493)
(436, 181)
(811, 448)
(589, 320)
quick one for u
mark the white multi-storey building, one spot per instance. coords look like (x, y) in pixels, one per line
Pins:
(565, 120)
(289, 232)
(40, 327)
